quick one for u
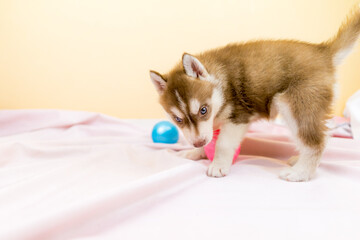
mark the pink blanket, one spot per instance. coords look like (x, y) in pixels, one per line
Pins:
(77, 175)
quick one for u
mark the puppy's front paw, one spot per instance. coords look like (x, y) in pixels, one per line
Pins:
(296, 174)
(193, 154)
(218, 169)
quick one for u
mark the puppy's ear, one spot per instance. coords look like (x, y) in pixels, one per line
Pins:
(193, 67)
(158, 81)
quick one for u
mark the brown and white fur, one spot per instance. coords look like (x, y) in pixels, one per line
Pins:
(231, 86)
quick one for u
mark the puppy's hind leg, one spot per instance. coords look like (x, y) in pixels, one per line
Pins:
(308, 128)
(304, 169)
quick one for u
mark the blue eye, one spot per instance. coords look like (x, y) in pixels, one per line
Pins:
(179, 120)
(203, 110)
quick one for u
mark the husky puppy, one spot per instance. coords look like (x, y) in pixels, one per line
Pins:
(231, 86)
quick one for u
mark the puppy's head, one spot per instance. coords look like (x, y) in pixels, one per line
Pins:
(191, 98)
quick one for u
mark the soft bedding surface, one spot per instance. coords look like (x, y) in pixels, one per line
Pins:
(78, 175)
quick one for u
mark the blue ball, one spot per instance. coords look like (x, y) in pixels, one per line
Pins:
(165, 132)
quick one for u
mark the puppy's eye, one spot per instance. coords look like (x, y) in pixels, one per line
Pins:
(179, 120)
(203, 110)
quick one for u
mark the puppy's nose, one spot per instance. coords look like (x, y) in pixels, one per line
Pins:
(199, 143)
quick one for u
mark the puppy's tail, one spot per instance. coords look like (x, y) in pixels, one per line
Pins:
(347, 36)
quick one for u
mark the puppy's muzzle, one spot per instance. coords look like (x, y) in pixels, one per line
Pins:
(199, 143)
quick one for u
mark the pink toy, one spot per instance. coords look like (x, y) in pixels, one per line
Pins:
(210, 148)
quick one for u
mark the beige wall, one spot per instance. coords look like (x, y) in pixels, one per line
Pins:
(95, 55)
